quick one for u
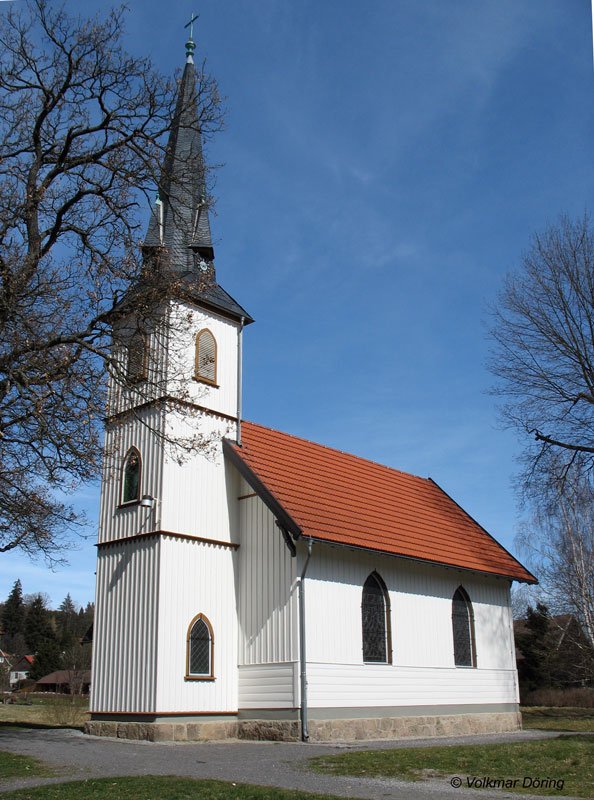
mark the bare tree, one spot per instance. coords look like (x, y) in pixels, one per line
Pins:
(560, 546)
(76, 660)
(544, 357)
(82, 136)
(544, 347)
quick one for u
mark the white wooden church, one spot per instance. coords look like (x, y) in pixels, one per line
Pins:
(267, 586)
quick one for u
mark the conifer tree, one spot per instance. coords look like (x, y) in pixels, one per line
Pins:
(48, 658)
(85, 619)
(38, 628)
(67, 617)
(13, 613)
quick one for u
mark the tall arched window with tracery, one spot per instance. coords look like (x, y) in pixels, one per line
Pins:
(200, 649)
(375, 621)
(463, 629)
(206, 357)
(131, 474)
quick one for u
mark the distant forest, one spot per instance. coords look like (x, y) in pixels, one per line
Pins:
(56, 638)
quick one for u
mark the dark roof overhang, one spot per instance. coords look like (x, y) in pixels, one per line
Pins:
(269, 500)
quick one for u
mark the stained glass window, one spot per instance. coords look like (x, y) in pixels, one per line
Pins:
(200, 648)
(463, 629)
(131, 477)
(375, 621)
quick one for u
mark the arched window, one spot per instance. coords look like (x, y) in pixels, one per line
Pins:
(131, 477)
(463, 629)
(200, 649)
(136, 357)
(206, 357)
(375, 619)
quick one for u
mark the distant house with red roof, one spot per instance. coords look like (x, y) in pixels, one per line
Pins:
(20, 669)
(262, 585)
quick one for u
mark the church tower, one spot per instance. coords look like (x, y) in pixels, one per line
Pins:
(165, 636)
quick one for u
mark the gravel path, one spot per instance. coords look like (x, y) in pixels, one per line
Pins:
(264, 763)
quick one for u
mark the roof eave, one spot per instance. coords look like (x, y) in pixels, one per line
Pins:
(419, 560)
(534, 579)
(224, 312)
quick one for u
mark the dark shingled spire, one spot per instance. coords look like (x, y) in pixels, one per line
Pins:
(179, 224)
(179, 220)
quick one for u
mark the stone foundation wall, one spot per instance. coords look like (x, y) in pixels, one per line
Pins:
(344, 730)
(164, 731)
(328, 730)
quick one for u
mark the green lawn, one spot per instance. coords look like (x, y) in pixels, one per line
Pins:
(46, 711)
(558, 719)
(15, 766)
(162, 788)
(567, 760)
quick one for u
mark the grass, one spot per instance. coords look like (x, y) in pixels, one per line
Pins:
(48, 711)
(15, 766)
(567, 760)
(158, 788)
(558, 719)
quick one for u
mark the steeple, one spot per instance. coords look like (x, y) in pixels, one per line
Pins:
(179, 220)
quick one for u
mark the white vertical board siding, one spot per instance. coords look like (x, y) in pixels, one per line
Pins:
(124, 634)
(421, 626)
(267, 588)
(373, 685)
(268, 685)
(186, 322)
(196, 578)
(199, 495)
(143, 431)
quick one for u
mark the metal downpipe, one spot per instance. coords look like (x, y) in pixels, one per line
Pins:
(302, 651)
(239, 378)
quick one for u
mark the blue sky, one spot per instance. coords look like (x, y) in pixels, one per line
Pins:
(385, 165)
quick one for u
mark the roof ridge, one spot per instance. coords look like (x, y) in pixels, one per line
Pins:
(338, 450)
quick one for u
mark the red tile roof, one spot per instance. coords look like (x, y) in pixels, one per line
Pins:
(337, 497)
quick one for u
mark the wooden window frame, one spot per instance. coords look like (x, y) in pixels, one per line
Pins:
(127, 503)
(471, 630)
(387, 616)
(189, 676)
(197, 376)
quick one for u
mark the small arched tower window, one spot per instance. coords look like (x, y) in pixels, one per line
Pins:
(463, 629)
(206, 357)
(375, 619)
(131, 477)
(200, 650)
(136, 363)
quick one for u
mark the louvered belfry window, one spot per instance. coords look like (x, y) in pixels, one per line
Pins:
(206, 357)
(131, 477)
(463, 629)
(375, 621)
(200, 644)
(137, 356)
